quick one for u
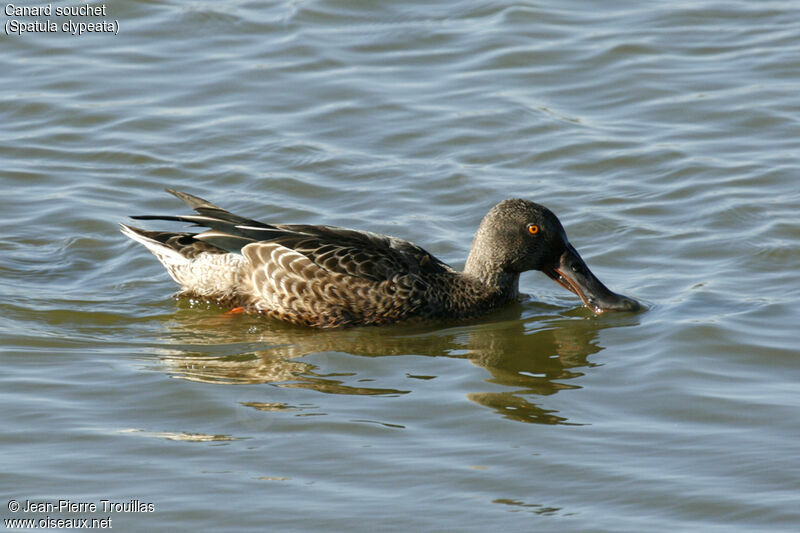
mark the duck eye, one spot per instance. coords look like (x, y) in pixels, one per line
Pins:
(533, 229)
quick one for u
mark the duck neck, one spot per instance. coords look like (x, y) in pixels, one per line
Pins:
(494, 277)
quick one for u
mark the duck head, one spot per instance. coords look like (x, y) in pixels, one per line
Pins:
(518, 235)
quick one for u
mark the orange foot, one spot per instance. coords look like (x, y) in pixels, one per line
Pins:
(235, 311)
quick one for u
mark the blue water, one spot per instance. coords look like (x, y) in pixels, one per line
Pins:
(666, 138)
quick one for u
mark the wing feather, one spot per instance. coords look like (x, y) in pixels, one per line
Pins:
(361, 254)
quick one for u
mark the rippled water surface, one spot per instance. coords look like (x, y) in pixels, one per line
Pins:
(665, 135)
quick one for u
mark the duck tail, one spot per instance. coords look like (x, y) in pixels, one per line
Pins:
(197, 266)
(228, 231)
(161, 243)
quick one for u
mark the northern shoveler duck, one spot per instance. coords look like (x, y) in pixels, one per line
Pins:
(325, 276)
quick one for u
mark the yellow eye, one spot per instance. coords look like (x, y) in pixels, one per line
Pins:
(533, 229)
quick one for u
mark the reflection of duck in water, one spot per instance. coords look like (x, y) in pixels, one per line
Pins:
(326, 276)
(525, 360)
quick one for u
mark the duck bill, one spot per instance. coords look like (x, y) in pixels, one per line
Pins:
(571, 272)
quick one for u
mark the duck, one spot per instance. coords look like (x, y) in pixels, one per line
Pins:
(327, 276)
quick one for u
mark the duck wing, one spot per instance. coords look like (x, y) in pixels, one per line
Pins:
(355, 253)
(361, 254)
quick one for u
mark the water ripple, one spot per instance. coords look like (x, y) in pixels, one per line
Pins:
(663, 135)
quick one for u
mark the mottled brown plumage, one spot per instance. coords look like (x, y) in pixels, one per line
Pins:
(326, 276)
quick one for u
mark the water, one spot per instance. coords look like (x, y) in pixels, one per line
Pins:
(664, 135)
